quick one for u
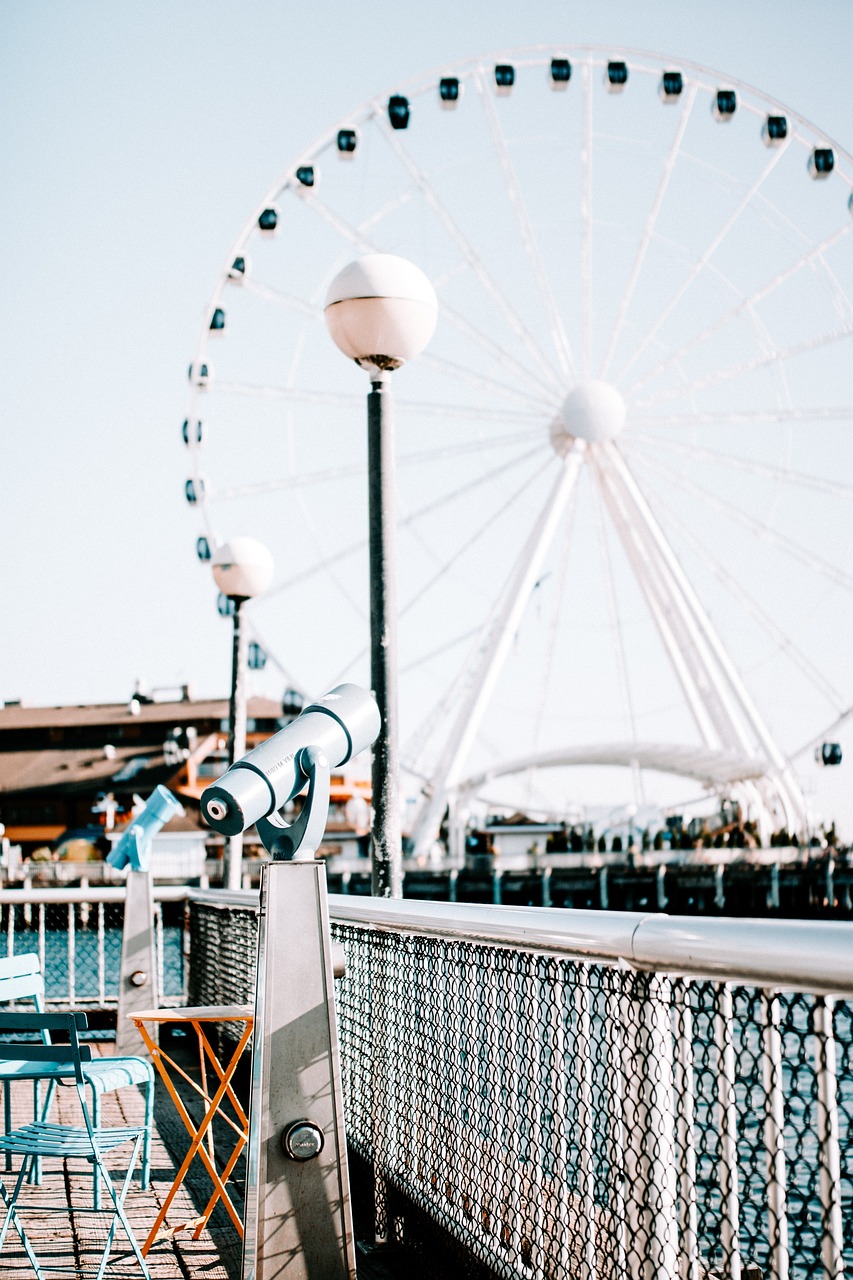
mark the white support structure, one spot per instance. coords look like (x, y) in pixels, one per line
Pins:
(489, 658)
(714, 689)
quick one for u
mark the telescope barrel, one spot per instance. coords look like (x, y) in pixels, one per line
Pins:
(340, 725)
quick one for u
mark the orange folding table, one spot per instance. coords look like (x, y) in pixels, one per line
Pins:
(201, 1134)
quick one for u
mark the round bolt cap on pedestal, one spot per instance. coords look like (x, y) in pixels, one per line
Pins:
(302, 1140)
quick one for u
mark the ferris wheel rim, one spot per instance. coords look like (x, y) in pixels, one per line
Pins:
(373, 107)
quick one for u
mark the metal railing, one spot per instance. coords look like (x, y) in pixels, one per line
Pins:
(77, 934)
(551, 1094)
(543, 1094)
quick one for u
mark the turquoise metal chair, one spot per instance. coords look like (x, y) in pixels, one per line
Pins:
(20, 979)
(41, 1140)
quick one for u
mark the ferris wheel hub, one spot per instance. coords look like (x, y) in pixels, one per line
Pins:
(592, 411)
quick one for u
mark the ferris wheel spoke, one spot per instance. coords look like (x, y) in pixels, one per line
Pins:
(381, 214)
(354, 235)
(615, 618)
(447, 647)
(702, 262)
(749, 366)
(554, 623)
(732, 462)
(555, 320)
(759, 528)
(476, 264)
(746, 417)
(296, 394)
(481, 381)
(443, 452)
(303, 395)
(758, 295)
(586, 222)
(410, 520)
(648, 229)
(746, 599)
(504, 359)
(357, 237)
(289, 300)
(491, 520)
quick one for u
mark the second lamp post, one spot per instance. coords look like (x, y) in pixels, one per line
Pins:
(242, 569)
(381, 311)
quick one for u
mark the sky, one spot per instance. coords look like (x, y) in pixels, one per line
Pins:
(136, 140)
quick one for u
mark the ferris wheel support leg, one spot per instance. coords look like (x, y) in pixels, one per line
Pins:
(659, 606)
(724, 681)
(498, 635)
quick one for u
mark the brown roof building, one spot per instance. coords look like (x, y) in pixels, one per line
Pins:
(58, 764)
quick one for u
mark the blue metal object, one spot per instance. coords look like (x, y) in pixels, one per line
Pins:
(134, 848)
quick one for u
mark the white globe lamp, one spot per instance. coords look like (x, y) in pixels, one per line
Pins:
(242, 568)
(381, 311)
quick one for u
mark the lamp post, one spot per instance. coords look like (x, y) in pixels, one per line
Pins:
(242, 569)
(381, 311)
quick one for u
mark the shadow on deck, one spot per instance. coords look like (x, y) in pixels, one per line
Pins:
(175, 1255)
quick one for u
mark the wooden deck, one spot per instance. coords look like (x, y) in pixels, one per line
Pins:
(71, 1241)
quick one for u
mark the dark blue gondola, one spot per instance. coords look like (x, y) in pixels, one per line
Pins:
(347, 141)
(256, 657)
(448, 89)
(292, 702)
(504, 77)
(217, 321)
(198, 374)
(237, 268)
(829, 753)
(775, 130)
(822, 162)
(191, 433)
(225, 605)
(561, 72)
(617, 75)
(398, 112)
(671, 85)
(268, 221)
(725, 104)
(305, 175)
(194, 491)
(202, 549)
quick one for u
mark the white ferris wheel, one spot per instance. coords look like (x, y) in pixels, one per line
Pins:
(624, 466)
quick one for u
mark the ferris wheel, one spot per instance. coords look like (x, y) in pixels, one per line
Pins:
(624, 472)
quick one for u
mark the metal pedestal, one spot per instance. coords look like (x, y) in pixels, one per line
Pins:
(298, 1221)
(138, 975)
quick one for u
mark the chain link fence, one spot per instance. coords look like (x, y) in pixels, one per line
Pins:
(530, 1115)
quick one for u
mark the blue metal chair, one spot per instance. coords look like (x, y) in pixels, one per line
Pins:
(40, 1139)
(20, 979)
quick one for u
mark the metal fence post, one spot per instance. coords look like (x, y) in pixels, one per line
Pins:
(728, 1164)
(651, 1202)
(137, 983)
(829, 1156)
(774, 1138)
(688, 1250)
(298, 1222)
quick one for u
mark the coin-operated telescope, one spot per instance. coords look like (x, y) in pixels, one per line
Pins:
(298, 1219)
(138, 956)
(134, 848)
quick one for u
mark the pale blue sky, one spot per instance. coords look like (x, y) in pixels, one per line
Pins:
(135, 139)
